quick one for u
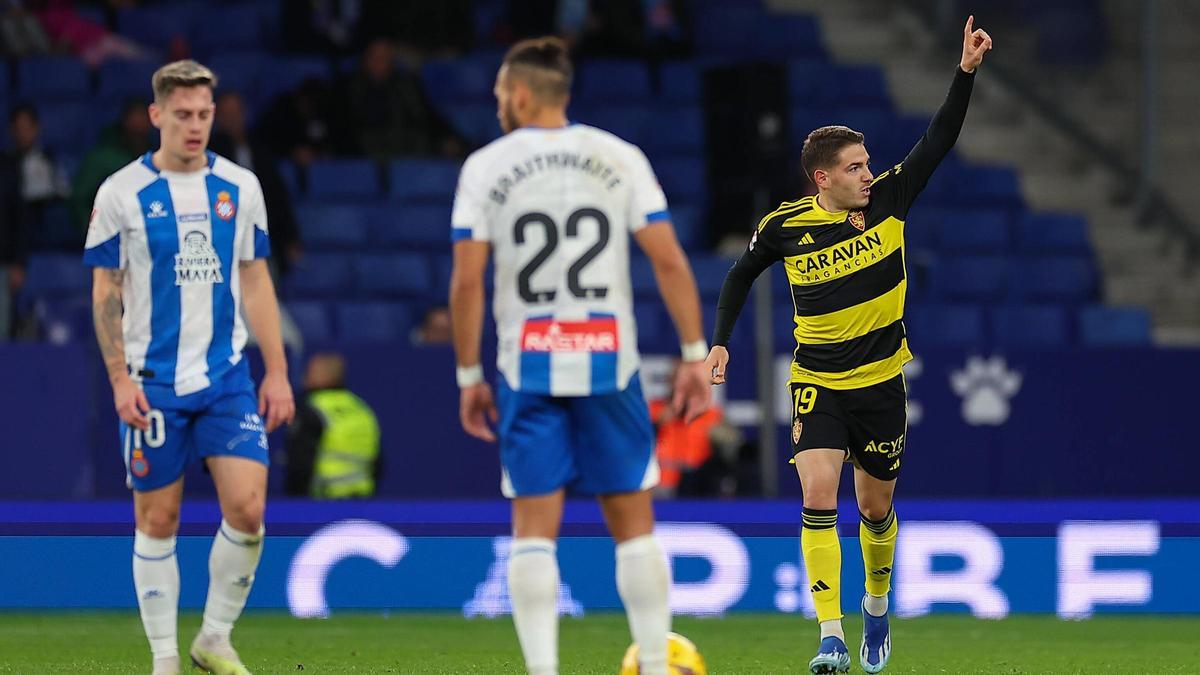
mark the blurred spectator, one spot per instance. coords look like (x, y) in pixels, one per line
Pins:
(230, 139)
(83, 37)
(333, 445)
(120, 144)
(302, 125)
(21, 33)
(694, 457)
(421, 28)
(434, 328)
(12, 242)
(42, 180)
(322, 26)
(390, 115)
(613, 28)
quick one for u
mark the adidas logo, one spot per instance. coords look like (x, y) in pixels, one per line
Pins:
(881, 571)
(806, 240)
(819, 586)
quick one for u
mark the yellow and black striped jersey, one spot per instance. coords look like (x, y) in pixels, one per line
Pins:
(846, 268)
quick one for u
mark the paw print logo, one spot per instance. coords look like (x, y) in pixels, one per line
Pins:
(986, 386)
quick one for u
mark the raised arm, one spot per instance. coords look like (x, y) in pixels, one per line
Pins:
(947, 122)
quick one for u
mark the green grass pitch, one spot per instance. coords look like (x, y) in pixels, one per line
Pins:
(61, 642)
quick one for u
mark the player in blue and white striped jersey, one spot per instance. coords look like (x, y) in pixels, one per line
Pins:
(556, 206)
(178, 243)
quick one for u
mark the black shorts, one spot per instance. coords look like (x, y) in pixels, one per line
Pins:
(868, 423)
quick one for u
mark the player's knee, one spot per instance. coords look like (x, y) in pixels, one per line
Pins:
(820, 497)
(159, 521)
(876, 509)
(246, 515)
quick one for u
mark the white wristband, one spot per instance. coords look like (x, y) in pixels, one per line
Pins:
(694, 351)
(469, 376)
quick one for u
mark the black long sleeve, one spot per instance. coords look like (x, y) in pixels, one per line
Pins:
(939, 138)
(304, 434)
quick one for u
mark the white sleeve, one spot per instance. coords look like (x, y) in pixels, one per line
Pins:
(103, 246)
(469, 218)
(254, 243)
(647, 203)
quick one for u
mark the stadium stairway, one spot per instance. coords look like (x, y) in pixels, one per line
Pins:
(1141, 266)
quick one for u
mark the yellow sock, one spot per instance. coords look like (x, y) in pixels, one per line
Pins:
(823, 561)
(878, 540)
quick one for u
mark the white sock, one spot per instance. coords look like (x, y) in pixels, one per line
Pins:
(533, 587)
(875, 605)
(833, 628)
(643, 582)
(156, 579)
(231, 566)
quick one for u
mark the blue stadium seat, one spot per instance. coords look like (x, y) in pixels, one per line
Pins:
(674, 130)
(4, 86)
(313, 320)
(343, 179)
(783, 323)
(1053, 279)
(475, 122)
(291, 177)
(423, 180)
(53, 77)
(121, 79)
(1064, 233)
(1029, 326)
(970, 278)
(63, 320)
(817, 84)
(987, 186)
(56, 274)
(683, 180)
(611, 81)
(641, 276)
(655, 333)
(328, 227)
(319, 275)
(413, 226)
(787, 36)
(1101, 326)
(241, 71)
(373, 322)
(922, 227)
(974, 231)
(230, 27)
(68, 127)
(710, 271)
(689, 226)
(625, 121)
(466, 80)
(282, 74)
(721, 30)
(944, 326)
(157, 25)
(680, 83)
(395, 274)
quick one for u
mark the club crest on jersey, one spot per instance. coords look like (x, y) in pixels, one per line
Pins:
(197, 262)
(858, 220)
(138, 464)
(224, 207)
(598, 334)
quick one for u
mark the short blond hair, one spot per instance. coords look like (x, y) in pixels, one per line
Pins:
(185, 73)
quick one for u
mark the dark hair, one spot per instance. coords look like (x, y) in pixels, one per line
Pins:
(822, 146)
(22, 109)
(542, 63)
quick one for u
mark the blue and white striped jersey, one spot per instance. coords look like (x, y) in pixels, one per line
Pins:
(179, 237)
(557, 207)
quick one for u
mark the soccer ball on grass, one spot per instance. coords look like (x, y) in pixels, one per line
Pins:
(682, 658)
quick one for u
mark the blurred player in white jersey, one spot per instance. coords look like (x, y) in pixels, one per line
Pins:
(555, 204)
(178, 240)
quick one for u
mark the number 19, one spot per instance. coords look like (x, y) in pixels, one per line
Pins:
(804, 398)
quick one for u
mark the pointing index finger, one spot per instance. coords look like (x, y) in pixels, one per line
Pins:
(970, 25)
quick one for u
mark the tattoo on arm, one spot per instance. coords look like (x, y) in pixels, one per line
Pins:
(106, 314)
